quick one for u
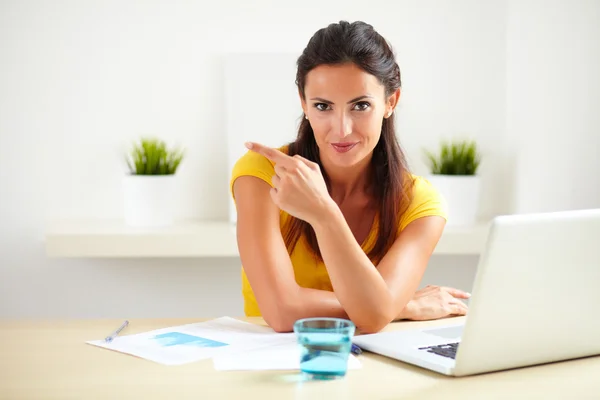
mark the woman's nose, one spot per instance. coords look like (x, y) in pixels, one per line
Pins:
(342, 125)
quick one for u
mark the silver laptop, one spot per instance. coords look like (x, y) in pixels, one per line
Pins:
(535, 300)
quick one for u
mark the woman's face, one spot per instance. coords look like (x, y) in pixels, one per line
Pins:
(345, 107)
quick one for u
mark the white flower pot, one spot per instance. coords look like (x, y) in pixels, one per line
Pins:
(148, 200)
(461, 193)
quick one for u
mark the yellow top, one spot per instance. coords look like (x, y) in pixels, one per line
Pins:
(309, 273)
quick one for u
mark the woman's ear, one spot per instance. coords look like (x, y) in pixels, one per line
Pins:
(302, 102)
(392, 102)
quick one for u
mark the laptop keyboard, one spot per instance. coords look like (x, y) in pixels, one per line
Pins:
(445, 350)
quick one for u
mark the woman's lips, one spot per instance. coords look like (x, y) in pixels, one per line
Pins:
(343, 147)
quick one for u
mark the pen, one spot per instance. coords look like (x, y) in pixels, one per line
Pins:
(355, 349)
(113, 335)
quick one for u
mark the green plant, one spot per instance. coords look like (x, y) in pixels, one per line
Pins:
(459, 157)
(151, 157)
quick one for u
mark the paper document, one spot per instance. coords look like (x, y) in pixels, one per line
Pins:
(192, 342)
(285, 356)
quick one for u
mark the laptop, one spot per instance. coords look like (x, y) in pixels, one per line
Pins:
(535, 300)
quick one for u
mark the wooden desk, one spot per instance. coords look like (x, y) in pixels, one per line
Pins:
(50, 360)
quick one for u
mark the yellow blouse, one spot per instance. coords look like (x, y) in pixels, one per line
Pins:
(309, 273)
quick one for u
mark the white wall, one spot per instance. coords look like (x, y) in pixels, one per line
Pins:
(553, 98)
(79, 80)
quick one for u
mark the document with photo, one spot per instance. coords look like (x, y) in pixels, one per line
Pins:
(192, 342)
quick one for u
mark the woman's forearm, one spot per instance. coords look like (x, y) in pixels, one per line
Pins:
(318, 303)
(306, 303)
(310, 303)
(357, 284)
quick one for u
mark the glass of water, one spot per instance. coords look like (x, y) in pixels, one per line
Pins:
(325, 345)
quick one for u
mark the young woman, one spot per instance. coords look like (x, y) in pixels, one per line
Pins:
(333, 224)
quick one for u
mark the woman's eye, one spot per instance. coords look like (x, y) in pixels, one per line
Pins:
(321, 106)
(361, 105)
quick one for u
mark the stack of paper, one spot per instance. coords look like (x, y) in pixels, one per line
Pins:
(276, 357)
(233, 345)
(188, 343)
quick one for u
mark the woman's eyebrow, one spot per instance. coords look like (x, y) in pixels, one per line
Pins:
(366, 96)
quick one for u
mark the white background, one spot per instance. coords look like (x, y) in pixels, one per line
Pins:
(79, 80)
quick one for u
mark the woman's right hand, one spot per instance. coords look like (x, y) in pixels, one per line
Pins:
(435, 302)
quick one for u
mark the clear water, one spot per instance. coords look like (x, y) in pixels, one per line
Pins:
(324, 354)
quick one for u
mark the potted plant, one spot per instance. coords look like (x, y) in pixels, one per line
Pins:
(149, 186)
(454, 173)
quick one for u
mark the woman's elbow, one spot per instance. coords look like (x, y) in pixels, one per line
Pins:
(374, 322)
(280, 319)
(281, 326)
(372, 326)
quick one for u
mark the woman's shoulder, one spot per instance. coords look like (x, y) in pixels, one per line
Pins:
(254, 164)
(253, 161)
(425, 200)
(422, 186)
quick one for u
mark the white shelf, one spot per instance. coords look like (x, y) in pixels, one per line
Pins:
(113, 239)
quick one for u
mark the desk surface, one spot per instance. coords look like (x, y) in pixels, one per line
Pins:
(50, 360)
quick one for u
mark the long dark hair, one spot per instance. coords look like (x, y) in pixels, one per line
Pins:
(360, 44)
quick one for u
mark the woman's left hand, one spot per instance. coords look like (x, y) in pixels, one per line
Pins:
(298, 185)
(435, 302)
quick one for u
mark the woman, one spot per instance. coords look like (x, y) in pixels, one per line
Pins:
(333, 224)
